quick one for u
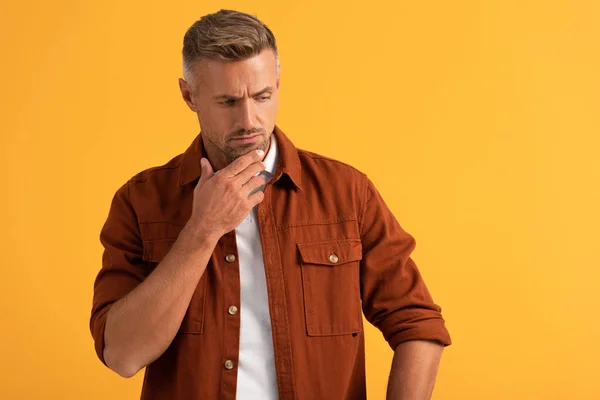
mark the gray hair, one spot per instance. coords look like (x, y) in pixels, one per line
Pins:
(226, 35)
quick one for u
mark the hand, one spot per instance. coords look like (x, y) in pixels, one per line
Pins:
(221, 200)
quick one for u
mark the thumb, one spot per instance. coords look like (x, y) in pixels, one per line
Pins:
(207, 170)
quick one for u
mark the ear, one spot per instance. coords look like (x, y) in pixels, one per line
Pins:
(187, 94)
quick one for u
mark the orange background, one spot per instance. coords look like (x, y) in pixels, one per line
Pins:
(477, 120)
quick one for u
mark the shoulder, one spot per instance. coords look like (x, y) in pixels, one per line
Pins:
(328, 178)
(328, 165)
(154, 185)
(169, 169)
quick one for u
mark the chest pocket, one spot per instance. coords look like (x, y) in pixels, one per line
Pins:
(331, 286)
(193, 321)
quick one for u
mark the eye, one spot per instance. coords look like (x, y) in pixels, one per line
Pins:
(228, 102)
(263, 98)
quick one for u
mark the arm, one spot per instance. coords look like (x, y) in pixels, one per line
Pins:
(141, 326)
(136, 314)
(397, 301)
(414, 369)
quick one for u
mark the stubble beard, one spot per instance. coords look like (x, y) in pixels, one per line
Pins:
(233, 153)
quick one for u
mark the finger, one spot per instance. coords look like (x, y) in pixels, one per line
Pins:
(256, 198)
(243, 162)
(254, 183)
(207, 169)
(252, 170)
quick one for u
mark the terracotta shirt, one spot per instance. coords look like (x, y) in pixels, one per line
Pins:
(332, 250)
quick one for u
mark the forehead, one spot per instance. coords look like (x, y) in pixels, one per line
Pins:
(235, 76)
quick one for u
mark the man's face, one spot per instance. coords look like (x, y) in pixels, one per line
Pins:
(236, 103)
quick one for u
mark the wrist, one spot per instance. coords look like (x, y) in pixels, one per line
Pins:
(200, 233)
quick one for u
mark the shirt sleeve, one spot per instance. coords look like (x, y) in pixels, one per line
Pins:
(395, 298)
(122, 265)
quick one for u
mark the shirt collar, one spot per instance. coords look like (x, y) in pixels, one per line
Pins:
(282, 159)
(272, 157)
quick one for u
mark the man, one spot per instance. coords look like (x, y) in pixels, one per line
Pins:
(239, 269)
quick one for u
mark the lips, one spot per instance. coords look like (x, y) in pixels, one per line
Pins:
(246, 137)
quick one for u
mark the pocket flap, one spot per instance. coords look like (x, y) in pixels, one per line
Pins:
(156, 250)
(331, 253)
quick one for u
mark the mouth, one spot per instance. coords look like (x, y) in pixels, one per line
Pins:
(246, 139)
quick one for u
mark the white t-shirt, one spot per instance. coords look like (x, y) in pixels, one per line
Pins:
(256, 369)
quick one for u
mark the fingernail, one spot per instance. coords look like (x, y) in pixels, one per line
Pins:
(261, 152)
(202, 163)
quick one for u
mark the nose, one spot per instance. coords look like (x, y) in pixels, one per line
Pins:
(248, 114)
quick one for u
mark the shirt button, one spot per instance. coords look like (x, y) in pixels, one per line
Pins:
(229, 364)
(230, 258)
(333, 258)
(233, 310)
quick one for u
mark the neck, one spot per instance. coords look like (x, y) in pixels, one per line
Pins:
(215, 156)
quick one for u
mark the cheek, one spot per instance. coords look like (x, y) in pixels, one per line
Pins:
(215, 118)
(272, 106)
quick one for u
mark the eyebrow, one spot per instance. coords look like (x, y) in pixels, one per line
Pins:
(229, 97)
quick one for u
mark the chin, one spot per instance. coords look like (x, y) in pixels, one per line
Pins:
(242, 149)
